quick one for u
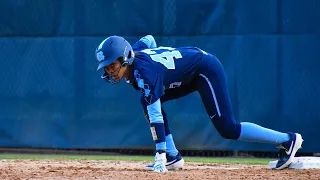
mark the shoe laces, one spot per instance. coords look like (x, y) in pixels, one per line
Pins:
(282, 153)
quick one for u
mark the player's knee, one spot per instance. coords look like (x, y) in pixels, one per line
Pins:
(228, 129)
(229, 134)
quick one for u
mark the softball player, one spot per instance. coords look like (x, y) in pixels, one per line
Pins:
(165, 73)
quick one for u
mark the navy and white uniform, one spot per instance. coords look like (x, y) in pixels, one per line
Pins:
(164, 73)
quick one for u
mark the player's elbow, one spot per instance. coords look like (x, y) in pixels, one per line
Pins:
(149, 41)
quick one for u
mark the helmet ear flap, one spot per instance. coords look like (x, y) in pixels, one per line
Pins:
(127, 60)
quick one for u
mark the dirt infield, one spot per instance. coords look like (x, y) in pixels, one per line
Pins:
(88, 169)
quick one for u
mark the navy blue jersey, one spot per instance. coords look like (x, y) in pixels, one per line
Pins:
(163, 67)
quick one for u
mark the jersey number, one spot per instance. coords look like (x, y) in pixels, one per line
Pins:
(165, 58)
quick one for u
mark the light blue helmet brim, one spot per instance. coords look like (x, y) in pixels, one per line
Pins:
(106, 62)
(103, 64)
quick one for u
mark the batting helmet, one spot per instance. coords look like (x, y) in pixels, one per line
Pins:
(113, 48)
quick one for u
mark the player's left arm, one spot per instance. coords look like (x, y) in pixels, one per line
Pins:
(145, 42)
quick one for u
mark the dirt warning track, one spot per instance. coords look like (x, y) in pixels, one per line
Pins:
(102, 169)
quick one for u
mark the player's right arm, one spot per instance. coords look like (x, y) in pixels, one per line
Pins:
(145, 42)
(151, 85)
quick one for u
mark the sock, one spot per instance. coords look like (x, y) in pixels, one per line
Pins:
(255, 133)
(171, 148)
(161, 146)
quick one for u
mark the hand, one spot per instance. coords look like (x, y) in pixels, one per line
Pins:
(160, 163)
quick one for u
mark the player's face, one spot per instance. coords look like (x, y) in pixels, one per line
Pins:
(115, 70)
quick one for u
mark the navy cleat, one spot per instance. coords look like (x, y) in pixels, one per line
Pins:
(288, 150)
(173, 162)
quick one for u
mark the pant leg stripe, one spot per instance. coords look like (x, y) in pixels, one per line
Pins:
(213, 94)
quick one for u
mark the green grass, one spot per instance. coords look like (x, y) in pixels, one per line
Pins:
(262, 161)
